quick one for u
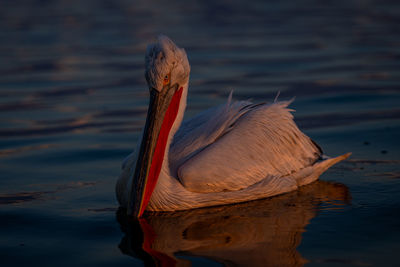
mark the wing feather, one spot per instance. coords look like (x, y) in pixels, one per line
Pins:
(263, 141)
(203, 130)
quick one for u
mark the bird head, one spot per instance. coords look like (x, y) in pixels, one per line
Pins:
(166, 64)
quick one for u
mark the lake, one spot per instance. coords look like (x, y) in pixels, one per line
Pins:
(73, 100)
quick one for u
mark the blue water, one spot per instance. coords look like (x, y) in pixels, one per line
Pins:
(73, 99)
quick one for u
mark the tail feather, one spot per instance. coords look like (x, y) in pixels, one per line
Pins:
(325, 164)
(312, 173)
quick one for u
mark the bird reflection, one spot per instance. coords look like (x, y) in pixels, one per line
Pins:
(258, 233)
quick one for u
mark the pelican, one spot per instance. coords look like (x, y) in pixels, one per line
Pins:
(232, 153)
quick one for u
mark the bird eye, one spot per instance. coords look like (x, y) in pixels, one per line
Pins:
(166, 79)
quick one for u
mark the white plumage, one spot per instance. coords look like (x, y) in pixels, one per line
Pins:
(236, 152)
(246, 148)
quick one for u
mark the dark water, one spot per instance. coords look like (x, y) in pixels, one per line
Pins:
(73, 99)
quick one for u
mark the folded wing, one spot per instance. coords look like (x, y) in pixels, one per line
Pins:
(261, 141)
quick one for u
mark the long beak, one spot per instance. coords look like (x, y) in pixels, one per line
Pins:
(160, 117)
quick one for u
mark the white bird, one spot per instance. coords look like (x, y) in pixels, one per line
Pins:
(232, 153)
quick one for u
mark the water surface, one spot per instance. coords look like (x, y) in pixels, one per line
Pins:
(73, 99)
